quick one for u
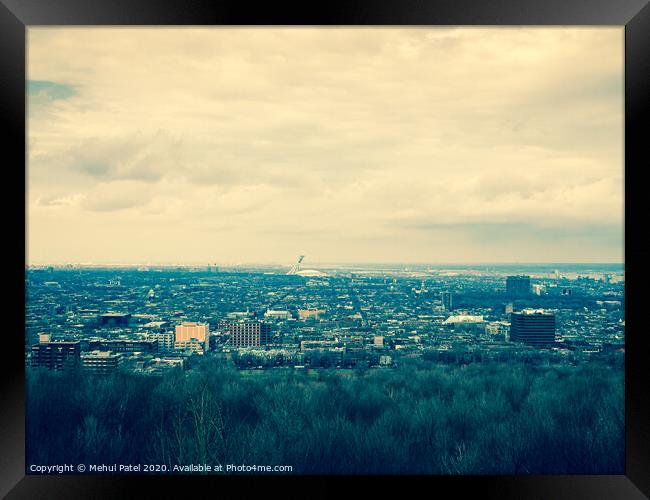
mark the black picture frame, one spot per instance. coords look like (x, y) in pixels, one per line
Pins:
(16, 15)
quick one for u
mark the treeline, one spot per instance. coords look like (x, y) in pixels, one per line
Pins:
(313, 358)
(422, 418)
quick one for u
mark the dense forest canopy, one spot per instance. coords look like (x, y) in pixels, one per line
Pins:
(423, 417)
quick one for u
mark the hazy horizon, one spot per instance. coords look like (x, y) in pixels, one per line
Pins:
(307, 264)
(162, 146)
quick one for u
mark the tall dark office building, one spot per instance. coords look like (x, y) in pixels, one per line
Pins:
(249, 333)
(518, 286)
(56, 355)
(533, 327)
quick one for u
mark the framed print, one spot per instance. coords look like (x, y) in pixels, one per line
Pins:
(382, 242)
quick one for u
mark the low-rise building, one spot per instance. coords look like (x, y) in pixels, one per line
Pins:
(100, 362)
(277, 314)
(306, 314)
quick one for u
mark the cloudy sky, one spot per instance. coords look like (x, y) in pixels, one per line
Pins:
(240, 145)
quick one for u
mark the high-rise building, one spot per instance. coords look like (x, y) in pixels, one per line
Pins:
(165, 340)
(532, 326)
(56, 355)
(447, 300)
(518, 286)
(249, 333)
(190, 332)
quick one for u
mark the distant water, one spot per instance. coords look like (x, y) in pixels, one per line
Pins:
(514, 268)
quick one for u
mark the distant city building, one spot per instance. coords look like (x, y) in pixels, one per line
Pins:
(316, 344)
(240, 315)
(305, 314)
(533, 326)
(277, 314)
(165, 340)
(162, 363)
(88, 312)
(156, 325)
(249, 333)
(188, 331)
(508, 308)
(538, 289)
(145, 319)
(447, 300)
(609, 304)
(56, 356)
(312, 273)
(518, 286)
(463, 318)
(118, 345)
(498, 328)
(100, 362)
(466, 322)
(114, 319)
(192, 345)
(378, 341)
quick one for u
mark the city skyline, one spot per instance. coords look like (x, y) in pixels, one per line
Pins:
(376, 145)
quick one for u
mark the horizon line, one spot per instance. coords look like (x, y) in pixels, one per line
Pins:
(321, 263)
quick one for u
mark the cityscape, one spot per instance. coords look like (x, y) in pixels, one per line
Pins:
(325, 250)
(149, 319)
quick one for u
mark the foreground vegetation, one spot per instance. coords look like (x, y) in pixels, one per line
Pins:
(421, 418)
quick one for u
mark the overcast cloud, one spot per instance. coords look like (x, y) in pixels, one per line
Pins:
(243, 145)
